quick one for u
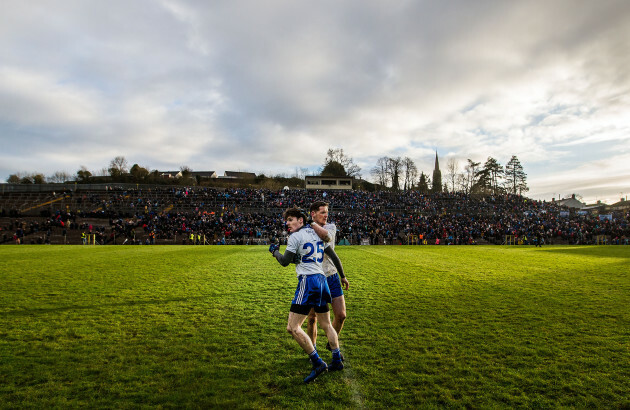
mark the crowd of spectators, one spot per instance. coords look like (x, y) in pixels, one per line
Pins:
(248, 216)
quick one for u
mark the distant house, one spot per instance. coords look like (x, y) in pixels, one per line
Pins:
(621, 206)
(571, 203)
(330, 183)
(597, 208)
(171, 174)
(203, 174)
(238, 175)
(193, 174)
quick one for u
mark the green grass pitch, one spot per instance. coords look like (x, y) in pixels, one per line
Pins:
(202, 327)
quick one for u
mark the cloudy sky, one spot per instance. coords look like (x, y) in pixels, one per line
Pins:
(269, 86)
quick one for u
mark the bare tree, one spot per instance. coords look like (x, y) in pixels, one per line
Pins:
(452, 167)
(411, 173)
(337, 155)
(379, 172)
(300, 172)
(59, 177)
(461, 179)
(471, 175)
(118, 166)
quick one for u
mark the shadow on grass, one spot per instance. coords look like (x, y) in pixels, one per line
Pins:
(36, 311)
(608, 251)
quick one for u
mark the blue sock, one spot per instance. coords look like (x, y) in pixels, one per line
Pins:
(315, 359)
(336, 355)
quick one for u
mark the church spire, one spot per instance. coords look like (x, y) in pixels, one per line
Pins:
(437, 176)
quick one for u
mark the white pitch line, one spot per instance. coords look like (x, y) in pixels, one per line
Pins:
(356, 395)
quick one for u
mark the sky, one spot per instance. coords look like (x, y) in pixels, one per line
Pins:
(269, 86)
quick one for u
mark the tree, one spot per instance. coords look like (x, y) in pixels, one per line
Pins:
(471, 176)
(423, 183)
(515, 177)
(59, 177)
(333, 169)
(394, 168)
(139, 173)
(495, 173)
(389, 170)
(379, 172)
(118, 167)
(337, 155)
(462, 182)
(482, 183)
(411, 173)
(187, 175)
(38, 179)
(83, 175)
(24, 178)
(300, 172)
(452, 166)
(154, 175)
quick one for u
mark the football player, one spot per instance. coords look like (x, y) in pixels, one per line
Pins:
(312, 290)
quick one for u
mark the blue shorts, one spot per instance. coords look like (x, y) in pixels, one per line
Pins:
(312, 292)
(335, 286)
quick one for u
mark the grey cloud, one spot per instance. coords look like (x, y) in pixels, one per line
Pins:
(238, 84)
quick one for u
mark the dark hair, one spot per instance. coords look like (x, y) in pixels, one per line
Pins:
(295, 212)
(316, 205)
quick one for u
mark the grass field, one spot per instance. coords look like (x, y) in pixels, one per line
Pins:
(183, 326)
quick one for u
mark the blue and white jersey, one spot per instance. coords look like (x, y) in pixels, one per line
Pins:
(310, 248)
(328, 266)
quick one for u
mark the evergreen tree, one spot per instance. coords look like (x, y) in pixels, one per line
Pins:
(495, 173)
(483, 182)
(423, 184)
(333, 169)
(515, 177)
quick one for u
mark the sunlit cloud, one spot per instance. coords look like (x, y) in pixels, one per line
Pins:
(270, 87)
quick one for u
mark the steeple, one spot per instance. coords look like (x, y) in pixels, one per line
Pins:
(436, 186)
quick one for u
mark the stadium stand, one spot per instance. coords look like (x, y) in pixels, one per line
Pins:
(170, 215)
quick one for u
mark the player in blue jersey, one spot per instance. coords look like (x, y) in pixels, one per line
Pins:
(336, 279)
(312, 291)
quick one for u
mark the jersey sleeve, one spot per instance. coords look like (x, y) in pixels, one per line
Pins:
(293, 243)
(332, 231)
